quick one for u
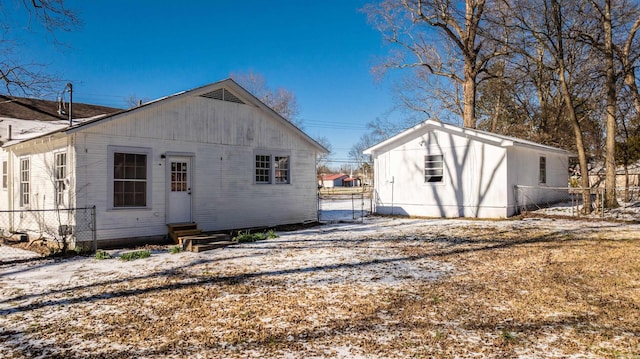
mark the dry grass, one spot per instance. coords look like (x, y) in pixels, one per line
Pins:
(515, 291)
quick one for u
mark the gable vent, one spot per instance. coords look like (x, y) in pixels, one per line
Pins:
(222, 95)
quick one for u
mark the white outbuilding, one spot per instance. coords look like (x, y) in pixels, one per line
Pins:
(214, 156)
(440, 170)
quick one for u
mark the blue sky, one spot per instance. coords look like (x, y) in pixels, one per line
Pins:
(323, 51)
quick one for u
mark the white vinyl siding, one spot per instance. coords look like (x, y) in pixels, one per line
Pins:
(5, 174)
(223, 138)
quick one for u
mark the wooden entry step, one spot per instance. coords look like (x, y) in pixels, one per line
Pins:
(204, 242)
(177, 230)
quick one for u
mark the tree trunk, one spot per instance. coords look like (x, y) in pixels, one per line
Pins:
(469, 96)
(568, 101)
(610, 146)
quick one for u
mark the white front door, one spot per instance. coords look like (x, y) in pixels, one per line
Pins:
(179, 191)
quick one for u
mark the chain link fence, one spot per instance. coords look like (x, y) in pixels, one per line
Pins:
(568, 202)
(344, 207)
(66, 228)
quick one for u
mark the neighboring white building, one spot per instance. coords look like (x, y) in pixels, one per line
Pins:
(333, 180)
(441, 170)
(214, 155)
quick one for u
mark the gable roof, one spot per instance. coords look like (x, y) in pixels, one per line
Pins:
(22, 119)
(479, 135)
(225, 90)
(45, 110)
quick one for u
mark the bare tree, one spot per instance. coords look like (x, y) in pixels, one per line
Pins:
(610, 85)
(26, 77)
(542, 33)
(323, 158)
(281, 100)
(455, 49)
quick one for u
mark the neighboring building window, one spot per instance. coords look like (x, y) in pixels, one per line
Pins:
(433, 168)
(5, 174)
(25, 176)
(129, 179)
(263, 169)
(281, 164)
(543, 170)
(60, 174)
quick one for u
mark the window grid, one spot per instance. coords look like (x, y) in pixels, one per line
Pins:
(25, 176)
(433, 168)
(281, 164)
(263, 169)
(179, 176)
(60, 173)
(129, 180)
(542, 179)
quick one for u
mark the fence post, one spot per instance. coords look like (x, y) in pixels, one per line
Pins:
(602, 202)
(318, 205)
(94, 229)
(353, 207)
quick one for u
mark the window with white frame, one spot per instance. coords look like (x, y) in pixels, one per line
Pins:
(263, 169)
(5, 175)
(281, 164)
(25, 181)
(59, 176)
(433, 168)
(542, 178)
(272, 168)
(129, 178)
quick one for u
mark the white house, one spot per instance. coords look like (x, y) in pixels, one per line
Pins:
(440, 170)
(214, 155)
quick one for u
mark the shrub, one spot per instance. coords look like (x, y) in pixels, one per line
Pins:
(101, 254)
(135, 255)
(253, 237)
(175, 249)
(508, 336)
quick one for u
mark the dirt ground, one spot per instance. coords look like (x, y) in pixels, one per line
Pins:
(385, 288)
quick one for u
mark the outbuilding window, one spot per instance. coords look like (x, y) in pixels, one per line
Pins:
(263, 169)
(130, 171)
(272, 168)
(542, 178)
(433, 168)
(25, 181)
(281, 164)
(60, 174)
